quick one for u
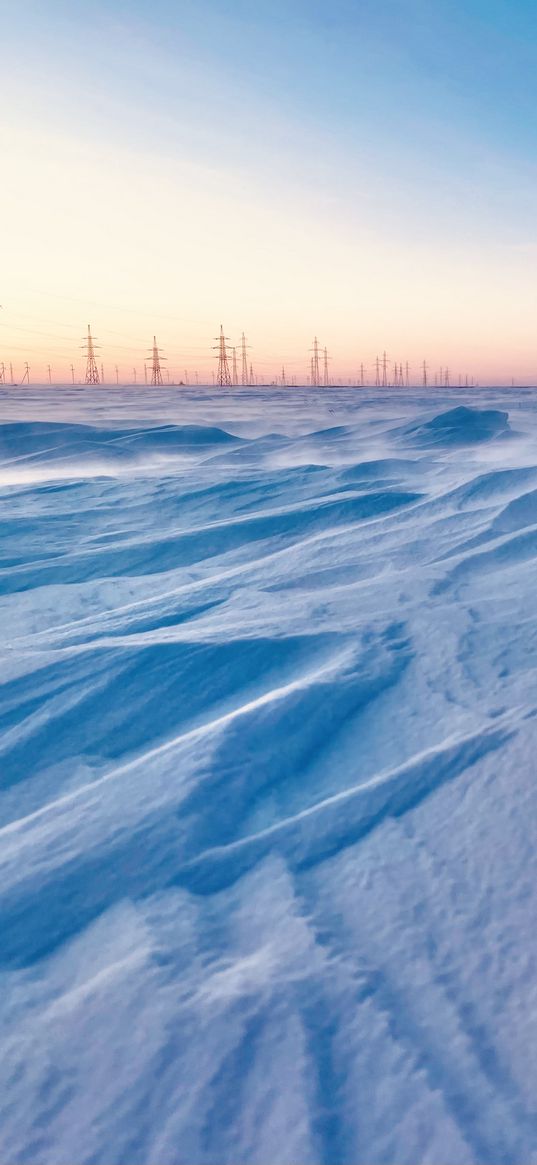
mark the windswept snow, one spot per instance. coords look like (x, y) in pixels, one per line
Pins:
(268, 810)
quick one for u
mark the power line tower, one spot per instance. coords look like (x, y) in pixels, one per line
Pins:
(156, 371)
(362, 380)
(326, 378)
(26, 376)
(424, 376)
(315, 370)
(235, 369)
(245, 380)
(223, 378)
(2, 373)
(377, 373)
(11, 373)
(407, 374)
(49, 370)
(284, 378)
(92, 372)
(102, 372)
(134, 375)
(252, 377)
(73, 373)
(384, 370)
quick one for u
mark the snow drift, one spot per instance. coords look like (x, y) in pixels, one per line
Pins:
(268, 812)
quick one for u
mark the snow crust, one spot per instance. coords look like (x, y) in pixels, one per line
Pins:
(268, 809)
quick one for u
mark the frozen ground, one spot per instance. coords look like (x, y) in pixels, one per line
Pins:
(268, 819)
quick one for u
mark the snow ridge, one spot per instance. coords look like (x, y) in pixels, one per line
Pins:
(268, 715)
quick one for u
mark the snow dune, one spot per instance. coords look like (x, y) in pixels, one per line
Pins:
(268, 814)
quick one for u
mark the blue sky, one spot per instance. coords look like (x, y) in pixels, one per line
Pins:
(402, 126)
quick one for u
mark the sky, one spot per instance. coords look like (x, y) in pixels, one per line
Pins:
(364, 172)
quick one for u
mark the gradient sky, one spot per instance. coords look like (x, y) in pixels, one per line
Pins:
(364, 171)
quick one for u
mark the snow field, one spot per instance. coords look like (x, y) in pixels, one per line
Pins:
(268, 809)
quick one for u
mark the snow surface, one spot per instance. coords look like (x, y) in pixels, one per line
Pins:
(268, 808)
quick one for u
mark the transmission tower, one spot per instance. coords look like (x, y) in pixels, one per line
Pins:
(92, 372)
(102, 372)
(2, 374)
(49, 370)
(407, 374)
(284, 378)
(235, 369)
(424, 380)
(223, 378)
(315, 370)
(26, 376)
(362, 380)
(384, 370)
(73, 373)
(326, 378)
(252, 378)
(244, 362)
(134, 375)
(377, 373)
(156, 371)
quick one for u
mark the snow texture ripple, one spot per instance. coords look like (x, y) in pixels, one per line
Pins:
(268, 811)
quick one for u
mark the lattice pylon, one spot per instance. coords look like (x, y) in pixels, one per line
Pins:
(315, 369)
(223, 376)
(156, 357)
(326, 376)
(90, 347)
(245, 379)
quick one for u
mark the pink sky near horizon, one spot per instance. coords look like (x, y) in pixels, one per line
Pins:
(139, 242)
